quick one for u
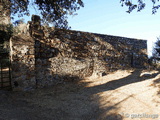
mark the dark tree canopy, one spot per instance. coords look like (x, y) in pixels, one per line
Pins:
(52, 11)
(56, 11)
(156, 50)
(139, 5)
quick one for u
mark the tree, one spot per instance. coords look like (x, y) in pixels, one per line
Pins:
(139, 5)
(4, 12)
(156, 50)
(52, 11)
(56, 11)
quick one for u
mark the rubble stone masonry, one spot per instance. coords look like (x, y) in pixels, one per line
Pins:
(49, 56)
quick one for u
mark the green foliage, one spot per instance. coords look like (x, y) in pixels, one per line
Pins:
(52, 11)
(56, 11)
(7, 31)
(139, 5)
(156, 50)
(19, 7)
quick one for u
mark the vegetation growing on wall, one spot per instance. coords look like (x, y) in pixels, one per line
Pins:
(7, 31)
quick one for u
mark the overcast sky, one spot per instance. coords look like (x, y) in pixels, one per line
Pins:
(108, 17)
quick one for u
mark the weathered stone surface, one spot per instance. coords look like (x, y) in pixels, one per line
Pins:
(86, 54)
(23, 63)
(52, 56)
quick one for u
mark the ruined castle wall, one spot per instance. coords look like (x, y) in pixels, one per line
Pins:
(72, 53)
(50, 56)
(23, 63)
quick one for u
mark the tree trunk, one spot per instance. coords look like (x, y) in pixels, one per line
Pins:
(5, 12)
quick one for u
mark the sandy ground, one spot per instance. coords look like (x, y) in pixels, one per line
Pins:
(121, 95)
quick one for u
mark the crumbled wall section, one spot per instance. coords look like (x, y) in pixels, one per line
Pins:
(63, 55)
(23, 63)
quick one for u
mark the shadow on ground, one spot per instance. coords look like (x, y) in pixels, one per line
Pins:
(71, 100)
(134, 77)
(157, 84)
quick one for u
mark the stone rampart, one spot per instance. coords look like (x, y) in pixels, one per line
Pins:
(50, 56)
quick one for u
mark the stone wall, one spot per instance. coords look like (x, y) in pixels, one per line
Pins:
(23, 63)
(71, 53)
(50, 56)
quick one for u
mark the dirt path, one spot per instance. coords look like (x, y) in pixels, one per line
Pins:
(122, 95)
